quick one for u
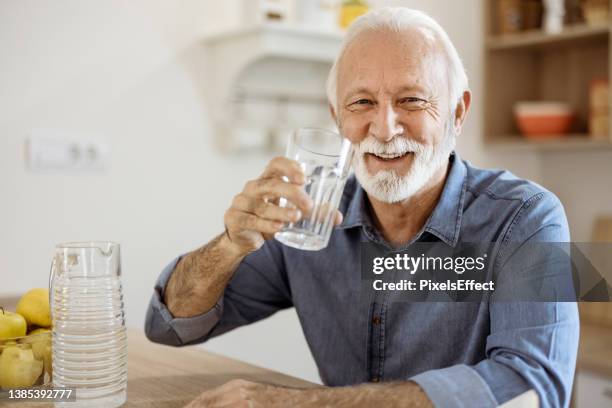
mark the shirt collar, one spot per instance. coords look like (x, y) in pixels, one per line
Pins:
(357, 213)
(445, 219)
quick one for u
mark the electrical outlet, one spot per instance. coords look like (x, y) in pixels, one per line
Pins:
(57, 151)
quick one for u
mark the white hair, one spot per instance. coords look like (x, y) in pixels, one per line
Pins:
(399, 19)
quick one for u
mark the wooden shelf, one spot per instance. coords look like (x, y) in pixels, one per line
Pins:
(537, 66)
(573, 142)
(278, 40)
(538, 38)
(257, 71)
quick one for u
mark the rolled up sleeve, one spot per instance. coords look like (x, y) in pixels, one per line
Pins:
(457, 386)
(162, 327)
(257, 290)
(533, 346)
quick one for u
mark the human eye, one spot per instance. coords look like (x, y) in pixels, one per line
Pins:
(362, 101)
(360, 104)
(412, 102)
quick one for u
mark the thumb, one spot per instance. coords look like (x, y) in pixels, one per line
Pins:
(339, 218)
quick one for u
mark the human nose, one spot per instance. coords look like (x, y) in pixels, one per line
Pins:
(386, 125)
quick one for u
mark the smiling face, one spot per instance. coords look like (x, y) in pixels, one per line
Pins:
(393, 104)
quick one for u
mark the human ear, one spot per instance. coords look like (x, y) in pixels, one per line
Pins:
(463, 106)
(332, 111)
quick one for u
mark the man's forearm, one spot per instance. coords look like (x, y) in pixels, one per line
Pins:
(242, 392)
(200, 277)
(391, 395)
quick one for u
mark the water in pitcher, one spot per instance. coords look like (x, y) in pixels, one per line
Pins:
(89, 341)
(324, 186)
(89, 336)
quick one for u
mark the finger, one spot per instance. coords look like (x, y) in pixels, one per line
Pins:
(216, 397)
(265, 209)
(237, 383)
(339, 218)
(203, 400)
(283, 166)
(227, 400)
(234, 403)
(194, 404)
(233, 394)
(239, 221)
(274, 188)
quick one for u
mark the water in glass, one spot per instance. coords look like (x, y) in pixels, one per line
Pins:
(89, 335)
(325, 158)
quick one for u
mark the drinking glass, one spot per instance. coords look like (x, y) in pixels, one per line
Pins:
(325, 158)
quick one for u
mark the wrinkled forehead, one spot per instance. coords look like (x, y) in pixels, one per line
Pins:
(387, 58)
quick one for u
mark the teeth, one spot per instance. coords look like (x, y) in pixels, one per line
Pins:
(389, 156)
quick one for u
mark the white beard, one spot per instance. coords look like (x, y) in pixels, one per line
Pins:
(386, 185)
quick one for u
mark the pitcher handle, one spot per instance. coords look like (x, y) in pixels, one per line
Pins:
(51, 277)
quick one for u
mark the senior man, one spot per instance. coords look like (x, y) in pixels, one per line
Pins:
(399, 92)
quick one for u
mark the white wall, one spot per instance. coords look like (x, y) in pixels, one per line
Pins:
(132, 72)
(582, 181)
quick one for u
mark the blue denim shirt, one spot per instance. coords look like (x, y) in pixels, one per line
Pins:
(471, 354)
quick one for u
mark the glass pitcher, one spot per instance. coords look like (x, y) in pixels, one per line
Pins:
(89, 335)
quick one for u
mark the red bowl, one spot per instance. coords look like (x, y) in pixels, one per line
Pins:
(544, 125)
(543, 118)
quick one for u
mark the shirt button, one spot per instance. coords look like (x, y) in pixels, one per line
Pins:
(376, 320)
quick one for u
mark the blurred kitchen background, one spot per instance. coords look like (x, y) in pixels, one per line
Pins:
(139, 121)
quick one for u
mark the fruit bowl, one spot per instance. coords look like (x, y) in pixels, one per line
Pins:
(25, 362)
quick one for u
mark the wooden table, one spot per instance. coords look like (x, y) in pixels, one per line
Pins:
(162, 376)
(168, 377)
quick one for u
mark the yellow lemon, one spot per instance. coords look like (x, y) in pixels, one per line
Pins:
(41, 346)
(39, 330)
(34, 306)
(11, 325)
(38, 343)
(19, 368)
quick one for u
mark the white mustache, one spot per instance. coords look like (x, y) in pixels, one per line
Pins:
(397, 146)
